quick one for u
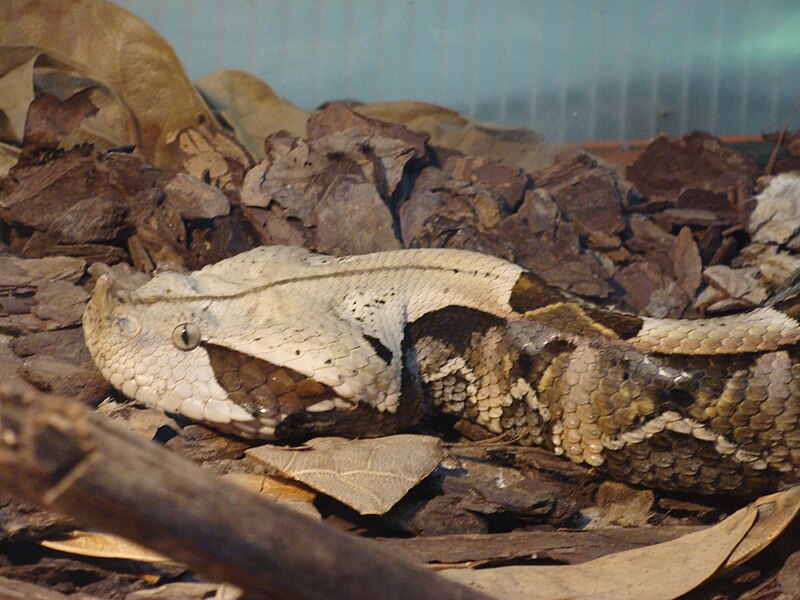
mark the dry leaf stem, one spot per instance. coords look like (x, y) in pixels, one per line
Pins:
(56, 453)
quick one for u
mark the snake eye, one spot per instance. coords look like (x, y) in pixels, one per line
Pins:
(186, 336)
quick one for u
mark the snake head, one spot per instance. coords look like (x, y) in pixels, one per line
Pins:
(151, 352)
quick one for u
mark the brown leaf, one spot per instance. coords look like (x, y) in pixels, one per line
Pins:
(291, 494)
(125, 55)
(661, 571)
(370, 475)
(623, 506)
(187, 590)
(16, 92)
(251, 108)
(775, 513)
(102, 545)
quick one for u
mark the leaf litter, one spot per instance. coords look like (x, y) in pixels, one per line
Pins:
(116, 159)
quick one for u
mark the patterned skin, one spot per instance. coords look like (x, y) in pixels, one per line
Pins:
(280, 343)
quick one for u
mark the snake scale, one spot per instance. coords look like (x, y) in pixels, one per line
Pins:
(280, 343)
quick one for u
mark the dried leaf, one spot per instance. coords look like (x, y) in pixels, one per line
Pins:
(126, 56)
(16, 94)
(368, 475)
(102, 545)
(291, 494)
(775, 513)
(9, 156)
(661, 571)
(251, 108)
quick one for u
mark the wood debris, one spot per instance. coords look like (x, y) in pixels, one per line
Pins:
(110, 160)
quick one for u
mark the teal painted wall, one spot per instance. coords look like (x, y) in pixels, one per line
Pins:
(570, 69)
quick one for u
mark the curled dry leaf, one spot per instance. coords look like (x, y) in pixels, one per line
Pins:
(251, 108)
(370, 476)
(16, 92)
(39, 96)
(661, 571)
(126, 56)
(102, 545)
(775, 513)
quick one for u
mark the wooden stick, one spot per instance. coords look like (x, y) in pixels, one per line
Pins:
(60, 455)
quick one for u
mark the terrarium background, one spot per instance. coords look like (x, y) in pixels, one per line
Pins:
(572, 70)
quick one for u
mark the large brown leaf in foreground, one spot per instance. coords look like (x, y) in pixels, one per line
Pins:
(658, 572)
(120, 51)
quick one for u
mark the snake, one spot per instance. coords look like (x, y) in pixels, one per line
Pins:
(280, 343)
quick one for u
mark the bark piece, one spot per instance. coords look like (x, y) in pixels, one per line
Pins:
(193, 199)
(623, 506)
(367, 227)
(776, 217)
(564, 546)
(516, 147)
(547, 244)
(510, 183)
(60, 302)
(25, 275)
(143, 420)
(208, 153)
(64, 344)
(336, 117)
(83, 382)
(698, 161)
(587, 194)
(649, 290)
(740, 284)
(687, 265)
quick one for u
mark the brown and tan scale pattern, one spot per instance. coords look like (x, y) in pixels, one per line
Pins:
(287, 344)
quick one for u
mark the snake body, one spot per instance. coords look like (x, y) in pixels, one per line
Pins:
(280, 343)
